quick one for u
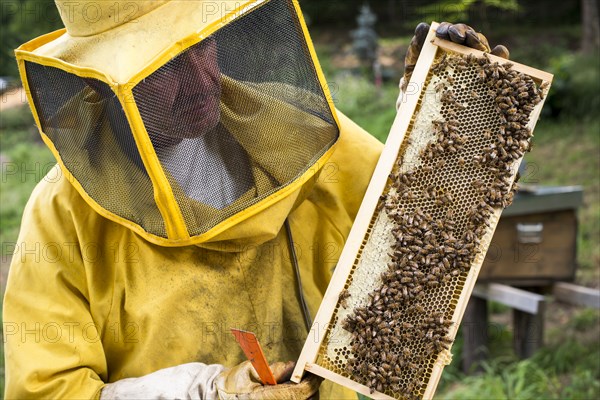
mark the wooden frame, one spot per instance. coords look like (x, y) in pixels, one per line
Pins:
(308, 357)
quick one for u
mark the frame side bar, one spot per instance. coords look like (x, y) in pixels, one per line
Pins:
(359, 228)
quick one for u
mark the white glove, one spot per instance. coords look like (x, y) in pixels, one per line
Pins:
(193, 381)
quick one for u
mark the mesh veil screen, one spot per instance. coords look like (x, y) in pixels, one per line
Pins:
(237, 116)
(86, 123)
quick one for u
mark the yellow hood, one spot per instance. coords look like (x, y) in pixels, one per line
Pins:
(278, 113)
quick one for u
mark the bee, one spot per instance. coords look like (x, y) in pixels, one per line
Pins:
(462, 68)
(407, 325)
(443, 59)
(408, 195)
(525, 145)
(427, 168)
(439, 87)
(448, 96)
(453, 124)
(460, 106)
(360, 319)
(482, 74)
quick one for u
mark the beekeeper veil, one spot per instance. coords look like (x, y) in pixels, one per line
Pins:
(179, 119)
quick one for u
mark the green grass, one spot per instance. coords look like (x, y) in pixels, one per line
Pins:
(24, 162)
(371, 108)
(566, 368)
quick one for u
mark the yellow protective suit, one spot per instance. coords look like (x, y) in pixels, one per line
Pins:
(89, 301)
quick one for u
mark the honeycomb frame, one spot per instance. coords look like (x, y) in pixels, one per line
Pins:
(363, 259)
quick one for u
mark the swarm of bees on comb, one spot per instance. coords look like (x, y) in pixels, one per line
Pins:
(440, 210)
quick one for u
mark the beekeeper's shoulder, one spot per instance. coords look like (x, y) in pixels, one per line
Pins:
(346, 175)
(356, 143)
(356, 153)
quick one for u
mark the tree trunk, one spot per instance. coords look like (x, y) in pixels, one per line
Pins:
(590, 39)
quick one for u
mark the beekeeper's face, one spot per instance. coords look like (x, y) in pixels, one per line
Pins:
(184, 97)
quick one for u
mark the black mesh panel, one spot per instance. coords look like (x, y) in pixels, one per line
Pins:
(237, 116)
(87, 125)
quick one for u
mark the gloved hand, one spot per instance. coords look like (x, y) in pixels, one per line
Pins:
(457, 33)
(192, 381)
(197, 381)
(242, 383)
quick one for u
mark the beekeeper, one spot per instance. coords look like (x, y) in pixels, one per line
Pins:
(206, 182)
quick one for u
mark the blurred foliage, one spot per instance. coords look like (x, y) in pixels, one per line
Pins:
(538, 46)
(15, 119)
(371, 108)
(21, 21)
(25, 160)
(460, 10)
(398, 17)
(586, 319)
(575, 90)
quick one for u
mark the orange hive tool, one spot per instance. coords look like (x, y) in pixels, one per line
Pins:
(249, 344)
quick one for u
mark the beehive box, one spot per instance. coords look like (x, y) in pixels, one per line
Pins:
(535, 243)
(392, 309)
